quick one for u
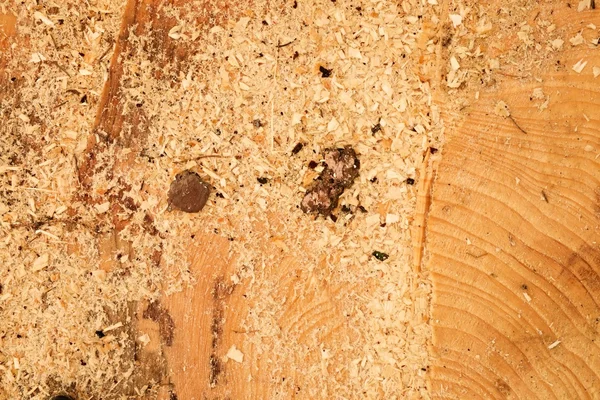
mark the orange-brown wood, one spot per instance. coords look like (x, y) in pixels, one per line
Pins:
(513, 236)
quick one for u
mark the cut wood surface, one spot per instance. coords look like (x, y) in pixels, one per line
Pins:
(513, 235)
(184, 330)
(503, 221)
(196, 336)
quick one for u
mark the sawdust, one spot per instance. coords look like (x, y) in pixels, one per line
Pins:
(322, 74)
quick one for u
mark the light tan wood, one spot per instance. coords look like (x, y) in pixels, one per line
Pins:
(207, 318)
(513, 235)
(511, 228)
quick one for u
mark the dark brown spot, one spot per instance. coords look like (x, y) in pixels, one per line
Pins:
(375, 128)
(325, 73)
(321, 198)
(342, 165)
(341, 169)
(188, 192)
(297, 148)
(220, 292)
(215, 370)
(166, 326)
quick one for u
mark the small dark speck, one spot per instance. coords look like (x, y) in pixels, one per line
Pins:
(433, 150)
(373, 179)
(333, 217)
(359, 9)
(410, 181)
(524, 286)
(380, 256)
(346, 209)
(257, 123)
(263, 181)
(100, 334)
(312, 164)
(220, 195)
(362, 209)
(325, 73)
(297, 148)
(295, 4)
(376, 128)
(83, 99)
(296, 55)
(265, 22)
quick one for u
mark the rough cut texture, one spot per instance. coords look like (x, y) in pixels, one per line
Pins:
(98, 120)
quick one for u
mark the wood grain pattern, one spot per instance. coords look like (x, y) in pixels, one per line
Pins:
(513, 240)
(208, 320)
(180, 338)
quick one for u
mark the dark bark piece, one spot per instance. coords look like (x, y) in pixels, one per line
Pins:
(342, 166)
(321, 198)
(188, 192)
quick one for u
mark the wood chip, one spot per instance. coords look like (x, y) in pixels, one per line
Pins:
(579, 66)
(234, 354)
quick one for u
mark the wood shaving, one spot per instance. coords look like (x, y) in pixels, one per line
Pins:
(577, 39)
(579, 66)
(380, 62)
(553, 344)
(234, 354)
(501, 109)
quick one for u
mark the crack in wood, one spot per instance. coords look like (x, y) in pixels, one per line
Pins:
(220, 293)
